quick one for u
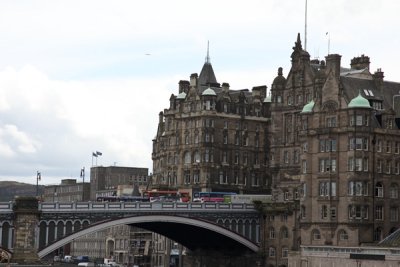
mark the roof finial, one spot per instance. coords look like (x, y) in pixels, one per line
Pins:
(208, 52)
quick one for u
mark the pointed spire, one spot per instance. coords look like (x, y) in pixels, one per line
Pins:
(298, 43)
(208, 53)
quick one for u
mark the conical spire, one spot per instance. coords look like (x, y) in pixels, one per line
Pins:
(207, 76)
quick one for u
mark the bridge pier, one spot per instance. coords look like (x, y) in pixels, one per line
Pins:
(26, 212)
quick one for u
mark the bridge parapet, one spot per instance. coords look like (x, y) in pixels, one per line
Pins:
(144, 206)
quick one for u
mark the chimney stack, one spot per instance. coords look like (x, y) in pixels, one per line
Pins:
(333, 64)
(359, 63)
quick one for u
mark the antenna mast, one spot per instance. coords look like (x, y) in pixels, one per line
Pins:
(305, 28)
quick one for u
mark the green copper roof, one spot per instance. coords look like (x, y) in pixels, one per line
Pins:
(209, 91)
(181, 96)
(308, 108)
(359, 102)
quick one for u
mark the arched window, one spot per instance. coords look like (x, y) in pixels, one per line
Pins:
(379, 189)
(187, 157)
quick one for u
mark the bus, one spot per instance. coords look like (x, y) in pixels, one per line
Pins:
(249, 199)
(211, 196)
(166, 196)
(122, 199)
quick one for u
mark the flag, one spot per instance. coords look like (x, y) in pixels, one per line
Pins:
(94, 155)
(39, 176)
(99, 153)
(83, 172)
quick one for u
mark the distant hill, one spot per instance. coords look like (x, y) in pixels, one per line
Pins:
(10, 189)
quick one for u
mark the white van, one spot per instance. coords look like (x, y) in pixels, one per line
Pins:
(86, 264)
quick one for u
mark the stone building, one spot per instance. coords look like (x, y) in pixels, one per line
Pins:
(335, 146)
(104, 181)
(212, 138)
(69, 190)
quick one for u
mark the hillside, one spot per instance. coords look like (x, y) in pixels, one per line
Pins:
(10, 189)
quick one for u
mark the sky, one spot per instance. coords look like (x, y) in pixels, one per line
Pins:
(78, 77)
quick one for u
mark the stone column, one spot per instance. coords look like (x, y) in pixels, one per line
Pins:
(26, 220)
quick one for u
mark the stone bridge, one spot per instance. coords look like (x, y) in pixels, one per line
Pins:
(31, 229)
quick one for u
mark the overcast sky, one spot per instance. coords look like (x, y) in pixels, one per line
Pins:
(83, 76)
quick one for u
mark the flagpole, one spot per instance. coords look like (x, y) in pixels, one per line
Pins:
(305, 28)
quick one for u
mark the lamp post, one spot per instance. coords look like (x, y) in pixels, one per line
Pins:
(83, 183)
(38, 177)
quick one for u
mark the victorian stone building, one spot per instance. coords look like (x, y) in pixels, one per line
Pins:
(335, 145)
(212, 138)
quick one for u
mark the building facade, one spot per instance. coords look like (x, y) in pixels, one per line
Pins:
(104, 181)
(69, 190)
(212, 138)
(335, 147)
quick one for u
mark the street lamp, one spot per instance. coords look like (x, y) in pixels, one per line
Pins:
(38, 177)
(83, 183)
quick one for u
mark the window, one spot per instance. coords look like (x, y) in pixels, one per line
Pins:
(396, 169)
(284, 233)
(286, 156)
(378, 234)
(397, 148)
(394, 191)
(236, 157)
(358, 212)
(316, 235)
(327, 165)
(224, 157)
(327, 189)
(304, 165)
(357, 164)
(379, 146)
(271, 252)
(296, 156)
(225, 138)
(379, 213)
(343, 235)
(223, 177)
(187, 157)
(379, 189)
(358, 188)
(187, 139)
(254, 179)
(197, 157)
(388, 147)
(285, 251)
(333, 212)
(272, 233)
(207, 155)
(358, 143)
(394, 214)
(359, 120)
(303, 211)
(187, 176)
(324, 212)
(327, 145)
(196, 176)
(245, 158)
(331, 122)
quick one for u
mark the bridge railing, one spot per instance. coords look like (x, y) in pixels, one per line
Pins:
(144, 206)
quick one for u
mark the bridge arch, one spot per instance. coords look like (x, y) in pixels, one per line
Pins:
(192, 233)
